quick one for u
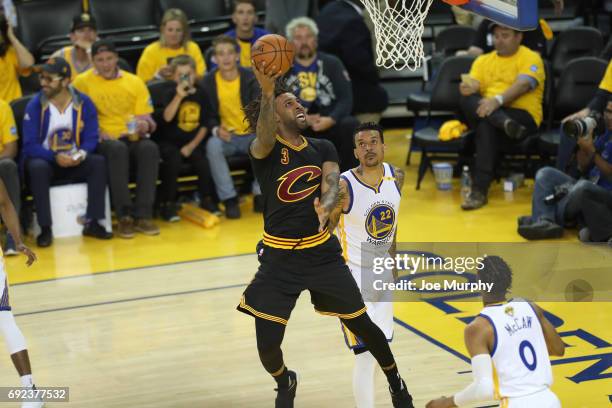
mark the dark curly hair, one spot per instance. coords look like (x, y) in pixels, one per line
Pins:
(251, 111)
(496, 271)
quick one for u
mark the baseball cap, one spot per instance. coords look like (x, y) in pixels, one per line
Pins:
(55, 65)
(494, 24)
(102, 46)
(83, 20)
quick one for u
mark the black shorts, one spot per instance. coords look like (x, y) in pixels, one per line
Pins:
(283, 274)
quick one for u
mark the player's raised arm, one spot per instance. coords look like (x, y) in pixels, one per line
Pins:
(478, 339)
(266, 122)
(343, 204)
(9, 216)
(554, 344)
(330, 190)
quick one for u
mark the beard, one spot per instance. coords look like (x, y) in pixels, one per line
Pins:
(306, 52)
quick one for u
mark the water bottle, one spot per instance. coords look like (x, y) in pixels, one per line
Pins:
(466, 183)
(132, 128)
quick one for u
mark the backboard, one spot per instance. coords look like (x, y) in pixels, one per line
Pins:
(518, 14)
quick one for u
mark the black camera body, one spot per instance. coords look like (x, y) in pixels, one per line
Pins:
(559, 192)
(578, 128)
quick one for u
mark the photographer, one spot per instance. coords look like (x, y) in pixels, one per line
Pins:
(180, 137)
(560, 200)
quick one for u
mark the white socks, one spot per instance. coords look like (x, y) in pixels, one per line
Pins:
(363, 380)
(15, 341)
(27, 381)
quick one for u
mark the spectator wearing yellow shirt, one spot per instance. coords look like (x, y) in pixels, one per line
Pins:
(502, 101)
(15, 60)
(8, 168)
(82, 36)
(124, 112)
(174, 40)
(245, 32)
(229, 88)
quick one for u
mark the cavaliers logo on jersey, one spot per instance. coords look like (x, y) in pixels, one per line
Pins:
(299, 183)
(379, 222)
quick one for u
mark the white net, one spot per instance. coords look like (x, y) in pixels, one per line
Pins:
(398, 27)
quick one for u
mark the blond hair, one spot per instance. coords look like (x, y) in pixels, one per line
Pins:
(175, 14)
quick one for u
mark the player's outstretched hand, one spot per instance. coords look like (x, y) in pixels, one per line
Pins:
(322, 213)
(442, 402)
(27, 252)
(266, 76)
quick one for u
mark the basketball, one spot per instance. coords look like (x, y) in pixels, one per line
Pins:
(274, 50)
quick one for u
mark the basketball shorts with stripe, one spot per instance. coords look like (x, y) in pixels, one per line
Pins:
(283, 274)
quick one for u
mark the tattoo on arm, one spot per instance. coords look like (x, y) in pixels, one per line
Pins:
(329, 199)
(399, 178)
(334, 217)
(266, 128)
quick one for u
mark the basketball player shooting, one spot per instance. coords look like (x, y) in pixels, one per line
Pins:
(299, 182)
(13, 337)
(366, 220)
(512, 338)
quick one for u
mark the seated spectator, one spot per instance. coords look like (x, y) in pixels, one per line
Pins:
(60, 136)
(174, 40)
(344, 33)
(560, 200)
(483, 41)
(245, 32)
(229, 88)
(15, 60)
(596, 106)
(124, 111)
(502, 102)
(323, 87)
(82, 37)
(280, 12)
(9, 172)
(182, 131)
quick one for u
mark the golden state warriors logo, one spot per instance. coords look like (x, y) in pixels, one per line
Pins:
(379, 222)
(297, 184)
(61, 140)
(189, 116)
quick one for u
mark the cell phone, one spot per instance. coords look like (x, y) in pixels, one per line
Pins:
(77, 156)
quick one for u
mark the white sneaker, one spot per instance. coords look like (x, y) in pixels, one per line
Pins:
(33, 404)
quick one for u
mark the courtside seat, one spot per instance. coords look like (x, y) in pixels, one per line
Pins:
(116, 14)
(197, 10)
(574, 43)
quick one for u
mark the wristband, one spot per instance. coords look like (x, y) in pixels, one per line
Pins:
(500, 99)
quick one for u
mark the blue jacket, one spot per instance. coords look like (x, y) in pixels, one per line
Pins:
(36, 126)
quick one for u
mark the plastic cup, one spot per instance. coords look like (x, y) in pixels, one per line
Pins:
(443, 173)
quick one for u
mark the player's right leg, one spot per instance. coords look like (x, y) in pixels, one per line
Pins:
(15, 342)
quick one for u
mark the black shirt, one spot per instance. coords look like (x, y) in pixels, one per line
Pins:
(290, 179)
(188, 120)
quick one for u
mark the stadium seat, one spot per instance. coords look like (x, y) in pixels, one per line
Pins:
(574, 43)
(38, 20)
(444, 97)
(452, 39)
(117, 14)
(197, 10)
(19, 106)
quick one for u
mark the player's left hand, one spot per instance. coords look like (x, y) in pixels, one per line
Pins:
(442, 402)
(322, 213)
(27, 252)
(487, 106)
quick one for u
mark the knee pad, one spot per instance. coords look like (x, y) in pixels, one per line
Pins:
(15, 342)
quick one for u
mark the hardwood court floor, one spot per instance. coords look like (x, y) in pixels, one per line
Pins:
(151, 322)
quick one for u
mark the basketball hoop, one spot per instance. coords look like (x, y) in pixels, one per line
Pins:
(398, 27)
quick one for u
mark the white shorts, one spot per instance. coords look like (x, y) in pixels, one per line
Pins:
(542, 399)
(4, 295)
(381, 314)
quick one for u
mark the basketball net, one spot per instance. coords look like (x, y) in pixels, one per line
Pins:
(398, 27)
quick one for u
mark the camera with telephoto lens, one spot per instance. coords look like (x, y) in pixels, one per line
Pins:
(578, 128)
(559, 192)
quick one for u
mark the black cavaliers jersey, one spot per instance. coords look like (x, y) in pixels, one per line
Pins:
(290, 179)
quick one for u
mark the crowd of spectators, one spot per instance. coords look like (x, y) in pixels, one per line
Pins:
(95, 122)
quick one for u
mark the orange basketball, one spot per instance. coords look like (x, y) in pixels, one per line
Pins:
(275, 51)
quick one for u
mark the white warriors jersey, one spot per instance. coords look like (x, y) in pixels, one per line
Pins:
(367, 228)
(520, 356)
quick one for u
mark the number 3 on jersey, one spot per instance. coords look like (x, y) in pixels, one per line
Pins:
(284, 156)
(522, 347)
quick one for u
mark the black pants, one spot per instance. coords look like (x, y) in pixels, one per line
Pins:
(9, 173)
(590, 205)
(170, 169)
(341, 135)
(144, 154)
(92, 171)
(490, 137)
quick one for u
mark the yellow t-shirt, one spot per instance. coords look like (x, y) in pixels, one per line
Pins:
(8, 129)
(116, 99)
(496, 74)
(9, 76)
(67, 53)
(245, 53)
(230, 105)
(155, 57)
(606, 83)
